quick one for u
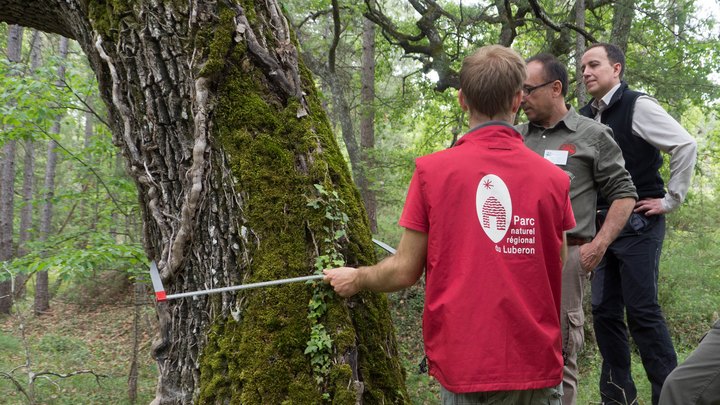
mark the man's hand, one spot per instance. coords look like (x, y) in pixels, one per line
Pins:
(394, 273)
(650, 206)
(617, 215)
(344, 280)
(590, 255)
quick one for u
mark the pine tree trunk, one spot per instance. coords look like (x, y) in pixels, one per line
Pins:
(222, 130)
(367, 121)
(42, 290)
(7, 186)
(28, 185)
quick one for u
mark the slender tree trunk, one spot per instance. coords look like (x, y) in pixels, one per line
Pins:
(623, 13)
(119, 168)
(341, 104)
(28, 187)
(343, 113)
(367, 122)
(579, 51)
(7, 185)
(222, 130)
(88, 212)
(138, 298)
(42, 290)
(7, 192)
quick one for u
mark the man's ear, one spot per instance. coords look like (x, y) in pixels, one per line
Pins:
(461, 100)
(617, 68)
(517, 100)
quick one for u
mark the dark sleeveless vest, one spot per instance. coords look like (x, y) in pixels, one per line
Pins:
(642, 160)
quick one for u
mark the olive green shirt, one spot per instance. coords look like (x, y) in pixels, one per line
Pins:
(593, 161)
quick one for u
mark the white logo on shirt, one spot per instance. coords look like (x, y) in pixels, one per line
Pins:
(494, 207)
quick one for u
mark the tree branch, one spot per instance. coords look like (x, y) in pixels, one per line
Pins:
(82, 100)
(336, 36)
(542, 16)
(43, 15)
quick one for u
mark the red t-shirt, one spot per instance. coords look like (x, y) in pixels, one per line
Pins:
(495, 212)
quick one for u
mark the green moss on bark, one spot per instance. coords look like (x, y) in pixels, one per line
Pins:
(106, 15)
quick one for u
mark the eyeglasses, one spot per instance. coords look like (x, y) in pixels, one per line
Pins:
(529, 89)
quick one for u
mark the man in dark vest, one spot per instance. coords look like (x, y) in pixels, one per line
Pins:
(626, 279)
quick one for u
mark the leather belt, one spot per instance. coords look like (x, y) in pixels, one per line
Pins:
(575, 241)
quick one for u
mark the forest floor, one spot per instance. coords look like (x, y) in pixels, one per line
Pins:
(85, 345)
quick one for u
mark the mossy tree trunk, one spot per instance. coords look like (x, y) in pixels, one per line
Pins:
(223, 133)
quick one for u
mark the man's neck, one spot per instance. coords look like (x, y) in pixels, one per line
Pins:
(476, 120)
(558, 113)
(601, 96)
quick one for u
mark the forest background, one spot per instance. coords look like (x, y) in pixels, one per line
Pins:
(77, 311)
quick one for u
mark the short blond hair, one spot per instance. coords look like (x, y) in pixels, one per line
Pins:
(490, 78)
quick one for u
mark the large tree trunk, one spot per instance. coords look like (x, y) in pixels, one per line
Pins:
(222, 131)
(7, 185)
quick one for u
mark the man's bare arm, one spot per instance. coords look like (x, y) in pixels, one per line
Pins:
(396, 272)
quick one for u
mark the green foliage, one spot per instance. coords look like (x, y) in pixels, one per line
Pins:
(69, 259)
(319, 348)
(320, 345)
(91, 197)
(20, 110)
(672, 55)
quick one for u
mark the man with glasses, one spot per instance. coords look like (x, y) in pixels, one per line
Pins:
(585, 150)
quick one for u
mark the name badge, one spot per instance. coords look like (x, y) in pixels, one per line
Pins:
(558, 157)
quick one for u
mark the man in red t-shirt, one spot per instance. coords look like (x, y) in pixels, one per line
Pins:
(486, 219)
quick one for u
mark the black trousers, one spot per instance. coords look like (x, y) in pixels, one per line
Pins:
(625, 282)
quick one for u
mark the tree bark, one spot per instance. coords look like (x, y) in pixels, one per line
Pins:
(623, 12)
(223, 133)
(7, 185)
(367, 121)
(27, 195)
(580, 94)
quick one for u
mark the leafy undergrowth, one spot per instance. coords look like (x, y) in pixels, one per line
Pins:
(96, 340)
(407, 308)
